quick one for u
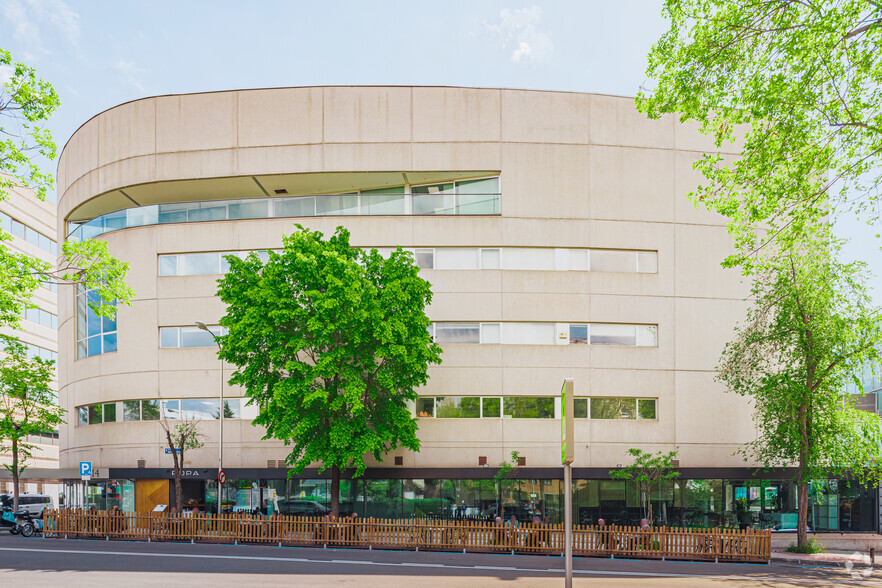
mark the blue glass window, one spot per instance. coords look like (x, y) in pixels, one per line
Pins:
(95, 334)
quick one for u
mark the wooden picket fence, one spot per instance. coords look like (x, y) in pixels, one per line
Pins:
(466, 536)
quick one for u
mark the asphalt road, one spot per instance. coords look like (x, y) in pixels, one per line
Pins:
(62, 563)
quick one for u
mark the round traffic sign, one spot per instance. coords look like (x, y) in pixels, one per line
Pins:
(221, 477)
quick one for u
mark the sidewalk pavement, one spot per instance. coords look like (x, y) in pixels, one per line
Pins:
(842, 559)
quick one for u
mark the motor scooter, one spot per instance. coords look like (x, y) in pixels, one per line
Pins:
(20, 522)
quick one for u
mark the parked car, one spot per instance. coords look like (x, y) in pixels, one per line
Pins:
(32, 503)
(308, 508)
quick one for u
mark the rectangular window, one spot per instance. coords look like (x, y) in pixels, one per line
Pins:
(95, 414)
(579, 334)
(200, 409)
(110, 412)
(457, 333)
(605, 334)
(528, 407)
(646, 408)
(199, 264)
(232, 408)
(490, 333)
(647, 335)
(17, 229)
(132, 410)
(149, 410)
(171, 409)
(196, 337)
(83, 414)
(168, 337)
(613, 408)
(580, 408)
(425, 406)
(490, 407)
(425, 258)
(458, 407)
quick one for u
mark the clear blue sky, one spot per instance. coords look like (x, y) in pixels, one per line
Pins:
(101, 53)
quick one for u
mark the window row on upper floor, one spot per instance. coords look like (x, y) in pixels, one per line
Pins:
(467, 197)
(505, 333)
(41, 352)
(441, 407)
(456, 258)
(41, 317)
(198, 409)
(511, 333)
(535, 407)
(32, 236)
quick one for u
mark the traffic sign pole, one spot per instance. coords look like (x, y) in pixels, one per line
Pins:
(567, 441)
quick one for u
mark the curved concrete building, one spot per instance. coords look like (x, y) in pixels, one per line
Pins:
(555, 231)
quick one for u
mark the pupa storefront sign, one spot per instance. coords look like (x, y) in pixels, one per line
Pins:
(190, 473)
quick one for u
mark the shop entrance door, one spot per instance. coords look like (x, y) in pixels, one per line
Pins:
(150, 493)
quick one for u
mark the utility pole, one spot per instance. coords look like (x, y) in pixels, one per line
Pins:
(567, 451)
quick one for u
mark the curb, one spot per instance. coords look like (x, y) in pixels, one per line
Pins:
(827, 563)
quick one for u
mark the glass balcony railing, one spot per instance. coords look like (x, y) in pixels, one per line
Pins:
(417, 204)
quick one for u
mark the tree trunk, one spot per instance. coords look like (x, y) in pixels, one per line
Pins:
(802, 516)
(177, 470)
(335, 491)
(15, 476)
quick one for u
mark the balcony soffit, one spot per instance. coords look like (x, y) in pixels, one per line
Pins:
(258, 186)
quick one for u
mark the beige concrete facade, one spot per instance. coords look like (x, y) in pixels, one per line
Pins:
(576, 171)
(37, 216)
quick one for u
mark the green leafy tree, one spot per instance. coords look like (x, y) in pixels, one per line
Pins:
(25, 102)
(804, 79)
(647, 472)
(180, 437)
(28, 406)
(330, 342)
(504, 479)
(811, 327)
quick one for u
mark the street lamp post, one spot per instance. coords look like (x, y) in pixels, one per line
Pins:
(220, 442)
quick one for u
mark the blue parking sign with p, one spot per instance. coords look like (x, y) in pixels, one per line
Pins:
(85, 468)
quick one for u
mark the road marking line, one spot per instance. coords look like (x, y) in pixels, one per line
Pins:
(757, 578)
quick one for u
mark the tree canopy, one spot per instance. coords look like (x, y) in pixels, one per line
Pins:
(803, 79)
(26, 147)
(810, 329)
(331, 342)
(28, 406)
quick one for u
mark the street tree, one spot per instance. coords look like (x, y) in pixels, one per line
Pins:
(330, 342)
(26, 102)
(28, 406)
(179, 437)
(800, 81)
(810, 329)
(647, 472)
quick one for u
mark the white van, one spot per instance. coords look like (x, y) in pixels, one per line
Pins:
(33, 503)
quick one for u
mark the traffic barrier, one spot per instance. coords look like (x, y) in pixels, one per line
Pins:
(468, 536)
